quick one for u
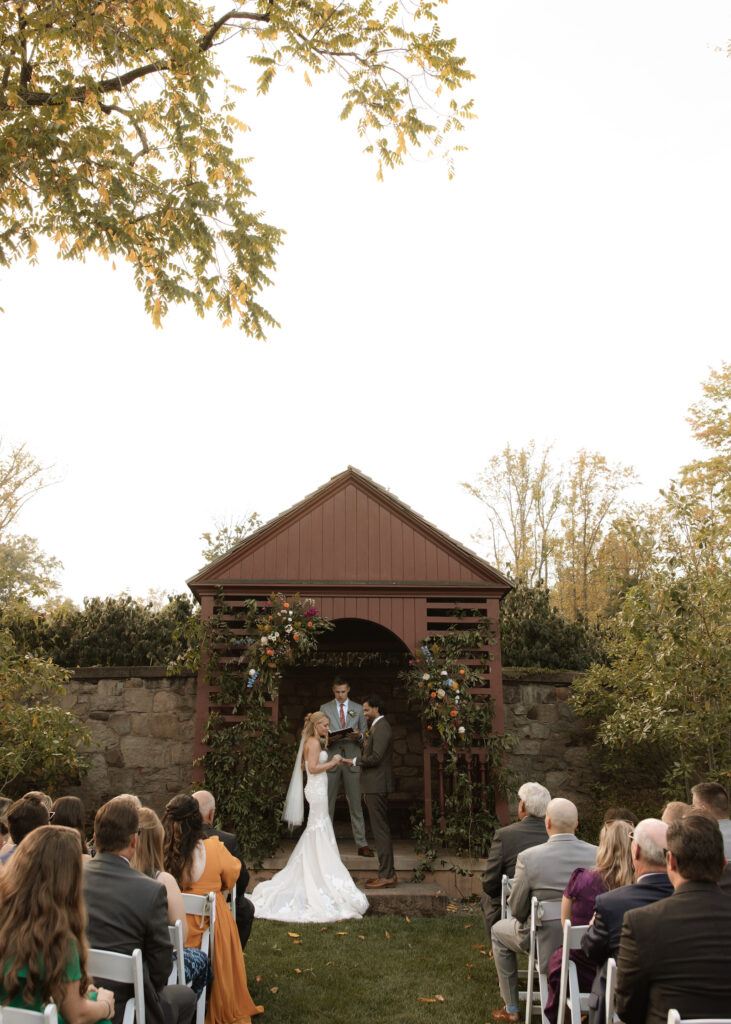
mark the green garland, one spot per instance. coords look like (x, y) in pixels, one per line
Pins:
(440, 684)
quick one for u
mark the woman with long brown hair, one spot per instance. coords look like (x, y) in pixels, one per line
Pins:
(314, 885)
(69, 811)
(42, 929)
(148, 859)
(200, 866)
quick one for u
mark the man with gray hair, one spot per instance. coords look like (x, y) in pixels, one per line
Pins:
(541, 871)
(651, 884)
(244, 907)
(529, 830)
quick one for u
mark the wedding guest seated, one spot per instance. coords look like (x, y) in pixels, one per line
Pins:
(148, 858)
(44, 798)
(675, 953)
(200, 866)
(613, 869)
(674, 811)
(128, 911)
(42, 943)
(651, 883)
(711, 797)
(69, 811)
(529, 830)
(542, 871)
(24, 816)
(244, 906)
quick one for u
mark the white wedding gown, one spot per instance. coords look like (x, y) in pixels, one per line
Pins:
(315, 886)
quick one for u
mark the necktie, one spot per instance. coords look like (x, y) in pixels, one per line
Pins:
(342, 716)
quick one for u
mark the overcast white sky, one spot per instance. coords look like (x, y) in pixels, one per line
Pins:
(570, 285)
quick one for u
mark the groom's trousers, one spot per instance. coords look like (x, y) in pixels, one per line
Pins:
(377, 804)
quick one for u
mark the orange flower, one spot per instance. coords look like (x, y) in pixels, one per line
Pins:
(453, 714)
(309, 625)
(295, 637)
(432, 694)
(461, 671)
(429, 728)
(270, 652)
(286, 604)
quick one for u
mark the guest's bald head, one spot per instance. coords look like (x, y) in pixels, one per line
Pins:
(561, 816)
(207, 804)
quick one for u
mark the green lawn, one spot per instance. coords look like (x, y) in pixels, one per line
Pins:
(373, 970)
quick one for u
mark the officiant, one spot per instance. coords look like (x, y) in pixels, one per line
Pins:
(347, 718)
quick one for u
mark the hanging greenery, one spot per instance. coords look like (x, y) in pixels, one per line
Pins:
(245, 651)
(441, 681)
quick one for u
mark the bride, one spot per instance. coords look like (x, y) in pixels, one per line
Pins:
(315, 885)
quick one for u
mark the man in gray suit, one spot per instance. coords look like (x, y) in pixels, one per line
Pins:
(126, 911)
(541, 871)
(377, 783)
(344, 713)
(529, 830)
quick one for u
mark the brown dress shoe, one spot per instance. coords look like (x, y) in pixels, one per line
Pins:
(504, 1017)
(365, 851)
(381, 883)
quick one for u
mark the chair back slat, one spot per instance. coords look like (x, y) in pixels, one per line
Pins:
(16, 1015)
(177, 976)
(125, 969)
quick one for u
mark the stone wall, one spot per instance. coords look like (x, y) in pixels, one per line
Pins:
(143, 723)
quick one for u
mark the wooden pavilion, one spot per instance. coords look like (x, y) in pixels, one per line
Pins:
(386, 577)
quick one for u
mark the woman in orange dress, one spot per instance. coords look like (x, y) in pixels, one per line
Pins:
(200, 866)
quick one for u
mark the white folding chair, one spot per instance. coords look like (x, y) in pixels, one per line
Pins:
(177, 975)
(125, 969)
(14, 1015)
(204, 908)
(568, 991)
(230, 896)
(610, 1015)
(540, 910)
(675, 1018)
(505, 886)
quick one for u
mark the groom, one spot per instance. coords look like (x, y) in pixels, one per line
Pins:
(376, 782)
(344, 713)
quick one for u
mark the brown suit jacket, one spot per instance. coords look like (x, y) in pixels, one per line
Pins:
(675, 955)
(375, 761)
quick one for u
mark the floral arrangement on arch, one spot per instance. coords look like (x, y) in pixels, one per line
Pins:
(439, 682)
(282, 632)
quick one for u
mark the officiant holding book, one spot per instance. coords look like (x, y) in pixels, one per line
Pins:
(347, 725)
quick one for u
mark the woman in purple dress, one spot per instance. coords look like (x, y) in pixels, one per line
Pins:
(613, 869)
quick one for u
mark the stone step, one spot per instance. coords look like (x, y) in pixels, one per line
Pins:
(411, 899)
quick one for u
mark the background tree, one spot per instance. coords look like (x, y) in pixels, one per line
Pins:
(117, 128)
(227, 533)
(666, 687)
(534, 633)
(521, 492)
(594, 494)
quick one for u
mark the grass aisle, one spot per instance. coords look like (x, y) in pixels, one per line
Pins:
(373, 970)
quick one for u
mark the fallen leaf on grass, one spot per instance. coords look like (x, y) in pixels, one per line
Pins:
(483, 952)
(297, 970)
(407, 918)
(362, 937)
(297, 942)
(274, 990)
(293, 935)
(469, 965)
(423, 999)
(341, 933)
(479, 947)
(330, 963)
(467, 927)
(260, 977)
(388, 935)
(439, 999)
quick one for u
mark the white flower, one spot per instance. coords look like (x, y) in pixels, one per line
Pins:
(264, 641)
(287, 629)
(252, 672)
(442, 673)
(461, 730)
(440, 693)
(425, 677)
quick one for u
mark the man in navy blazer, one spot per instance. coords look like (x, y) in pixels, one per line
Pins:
(652, 883)
(675, 954)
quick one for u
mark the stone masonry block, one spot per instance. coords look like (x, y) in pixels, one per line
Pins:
(165, 700)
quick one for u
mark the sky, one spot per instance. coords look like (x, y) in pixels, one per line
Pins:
(568, 286)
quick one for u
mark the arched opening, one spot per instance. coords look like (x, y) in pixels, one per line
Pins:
(369, 657)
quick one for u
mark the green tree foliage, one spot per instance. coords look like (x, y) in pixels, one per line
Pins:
(106, 631)
(40, 743)
(118, 132)
(535, 634)
(668, 681)
(26, 572)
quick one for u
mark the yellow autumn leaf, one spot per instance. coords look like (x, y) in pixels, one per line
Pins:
(274, 990)
(293, 935)
(297, 970)
(388, 935)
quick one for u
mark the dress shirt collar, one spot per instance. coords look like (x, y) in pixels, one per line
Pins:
(652, 874)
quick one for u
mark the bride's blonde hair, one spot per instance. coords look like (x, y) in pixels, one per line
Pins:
(311, 723)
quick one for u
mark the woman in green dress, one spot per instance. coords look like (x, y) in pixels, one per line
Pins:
(42, 930)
